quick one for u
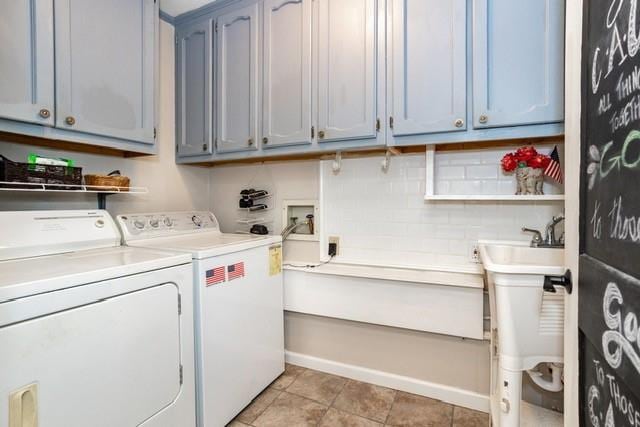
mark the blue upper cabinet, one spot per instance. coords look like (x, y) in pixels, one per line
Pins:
(347, 52)
(518, 60)
(302, 76)
(427, 62)
(26, 61)
(105, 67)
(237, 80)
(194, 49)
(286, 68)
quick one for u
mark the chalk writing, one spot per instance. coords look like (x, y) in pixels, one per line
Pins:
(623, 227)
(618, 341)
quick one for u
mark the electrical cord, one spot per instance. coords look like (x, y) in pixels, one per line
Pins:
(310, 265)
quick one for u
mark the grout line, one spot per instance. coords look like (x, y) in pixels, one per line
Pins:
(393, 402)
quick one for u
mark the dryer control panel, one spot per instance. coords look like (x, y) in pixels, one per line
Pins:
(148, 225)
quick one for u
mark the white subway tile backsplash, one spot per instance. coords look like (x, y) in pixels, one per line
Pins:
(482, 172)
(382, 218)
(451, 172)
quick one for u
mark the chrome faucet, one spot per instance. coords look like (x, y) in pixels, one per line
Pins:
(549, 240)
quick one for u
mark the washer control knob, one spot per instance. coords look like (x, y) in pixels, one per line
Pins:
(168, 221)
(153, 222)
(196, 220)
(139, 224)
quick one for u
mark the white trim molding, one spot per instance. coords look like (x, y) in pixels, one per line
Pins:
(445, 393)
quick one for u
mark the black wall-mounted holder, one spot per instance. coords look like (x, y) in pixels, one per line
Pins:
(550, 282)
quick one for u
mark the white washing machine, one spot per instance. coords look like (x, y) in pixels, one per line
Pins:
(91, 333)
(238, 306)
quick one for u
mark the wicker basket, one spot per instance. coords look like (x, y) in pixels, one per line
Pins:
(11, 171)
(99, 182)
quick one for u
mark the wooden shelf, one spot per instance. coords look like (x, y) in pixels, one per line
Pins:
(496, 197)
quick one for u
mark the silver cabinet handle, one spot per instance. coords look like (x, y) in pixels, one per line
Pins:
(459, 123)
(483, 119)
(45, 114)
(204, 147)
(250, 141)
(265, 140)
(70, 121)
(321, 134)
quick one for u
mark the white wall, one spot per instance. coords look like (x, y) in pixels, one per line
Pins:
(171, 187)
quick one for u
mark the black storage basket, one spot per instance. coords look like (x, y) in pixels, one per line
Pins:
(39, 174)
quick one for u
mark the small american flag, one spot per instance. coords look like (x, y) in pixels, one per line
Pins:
(215, 276)
(553, 169)
(236, 270)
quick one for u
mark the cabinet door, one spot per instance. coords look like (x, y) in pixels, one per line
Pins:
(237, 77)
(26, 61)
(105, 74)
(346, 69)
(428, 66)
(518, 61)
(194, 89)
(286, 91)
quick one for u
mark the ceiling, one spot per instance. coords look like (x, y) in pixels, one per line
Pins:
(177, 7)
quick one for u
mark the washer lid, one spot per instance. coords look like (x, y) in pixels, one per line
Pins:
(31, 276)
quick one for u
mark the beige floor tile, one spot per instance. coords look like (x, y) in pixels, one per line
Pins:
(463, 417)
(336, 418)
(290, 374)
(317, 386)
(366, 400)
(258, 405)
(410, 410)
(235, 423)
(289, 410)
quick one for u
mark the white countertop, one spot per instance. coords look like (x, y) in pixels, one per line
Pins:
(433, 276)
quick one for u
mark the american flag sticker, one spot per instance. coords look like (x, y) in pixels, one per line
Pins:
(215, 276)
(235, 271)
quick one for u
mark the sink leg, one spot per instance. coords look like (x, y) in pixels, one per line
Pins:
(511, 394)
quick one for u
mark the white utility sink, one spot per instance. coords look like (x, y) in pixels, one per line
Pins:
(520, 258)
(527, 321)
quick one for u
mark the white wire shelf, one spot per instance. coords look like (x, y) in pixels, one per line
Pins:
(69, 188)
(249, 221)
(255, 196)
(255, 210)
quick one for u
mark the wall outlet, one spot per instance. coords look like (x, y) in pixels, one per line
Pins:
(474, 254)
(334, 245)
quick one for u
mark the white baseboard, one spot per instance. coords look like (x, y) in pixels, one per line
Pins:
(453, 395)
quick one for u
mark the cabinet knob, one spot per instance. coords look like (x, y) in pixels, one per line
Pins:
(204, 147)
(250, 141)
(483, 119)
(70, 121)
(45, 114)
(265, 140)
(321, 134)
(459, 123)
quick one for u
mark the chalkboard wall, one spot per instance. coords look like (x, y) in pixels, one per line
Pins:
(609, 290)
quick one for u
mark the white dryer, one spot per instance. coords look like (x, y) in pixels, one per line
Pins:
(91, 333)
(238, 306)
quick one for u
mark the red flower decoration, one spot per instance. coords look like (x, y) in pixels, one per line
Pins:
(525, 154)
(509, 162)
(540, 161)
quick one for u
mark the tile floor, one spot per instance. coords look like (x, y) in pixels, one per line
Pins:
(302, 397)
